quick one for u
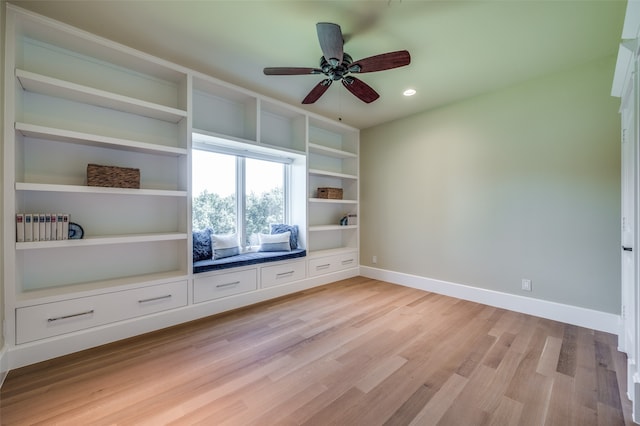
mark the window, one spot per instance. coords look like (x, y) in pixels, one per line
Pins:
(264, 197)
(214, 192)
(239, 192)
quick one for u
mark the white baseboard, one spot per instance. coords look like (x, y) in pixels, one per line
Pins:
(4, 364)
(588, 318)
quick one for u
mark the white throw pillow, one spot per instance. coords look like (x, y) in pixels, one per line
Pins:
(225, 245)
(275, 242)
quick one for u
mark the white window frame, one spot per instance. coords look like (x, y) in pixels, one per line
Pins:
(241, 153)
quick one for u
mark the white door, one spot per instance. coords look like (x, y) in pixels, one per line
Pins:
(628, 341)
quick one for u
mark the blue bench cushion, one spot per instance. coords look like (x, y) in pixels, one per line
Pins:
(245, 259)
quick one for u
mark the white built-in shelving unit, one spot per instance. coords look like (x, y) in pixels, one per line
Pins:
(73, 99)
(333, 162)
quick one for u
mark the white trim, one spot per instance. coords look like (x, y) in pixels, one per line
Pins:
(635, 404)
(583, 317)
(623, 70)
(631, 26)
(4, 364)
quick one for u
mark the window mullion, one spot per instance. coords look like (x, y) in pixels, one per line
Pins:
(286, 193)
(241, 204)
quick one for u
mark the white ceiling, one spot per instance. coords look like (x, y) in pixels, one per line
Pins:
(459, 49)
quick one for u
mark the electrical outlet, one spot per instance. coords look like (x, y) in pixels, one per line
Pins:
(374, 259)
(526, 284)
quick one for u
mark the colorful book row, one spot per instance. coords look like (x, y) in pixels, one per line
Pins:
(42, 227)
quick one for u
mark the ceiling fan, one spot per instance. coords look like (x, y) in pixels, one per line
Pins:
(335, 64)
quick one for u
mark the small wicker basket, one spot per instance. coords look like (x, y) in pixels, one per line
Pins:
(111, 176)
(330, 193)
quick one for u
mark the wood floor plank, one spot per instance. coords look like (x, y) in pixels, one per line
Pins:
(535, 397)
(499, 350)
(508, 413)
(608, 387)
(561, 407)
(548, 362)
(568, 351)
(385, 368)
(413, 405)
(355, 352)
(480, 347)
(435, 408)
(500, 381)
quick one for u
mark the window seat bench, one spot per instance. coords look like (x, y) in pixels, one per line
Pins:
(245, 259)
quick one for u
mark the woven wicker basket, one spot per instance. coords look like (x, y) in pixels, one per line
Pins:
(330, 193)
(111, 176)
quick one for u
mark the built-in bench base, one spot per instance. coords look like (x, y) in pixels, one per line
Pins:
(245, 259)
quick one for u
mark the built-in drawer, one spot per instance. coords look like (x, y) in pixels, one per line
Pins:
(321, 265)
(337, 262)
(346, 260)
(223, 285)
(52, 319)
(281, 274)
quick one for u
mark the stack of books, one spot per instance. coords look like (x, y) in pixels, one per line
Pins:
(42, 227)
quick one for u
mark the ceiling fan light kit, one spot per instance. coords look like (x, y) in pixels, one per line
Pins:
(336, 65)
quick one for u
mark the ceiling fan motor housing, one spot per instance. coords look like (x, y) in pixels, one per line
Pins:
(338, 71)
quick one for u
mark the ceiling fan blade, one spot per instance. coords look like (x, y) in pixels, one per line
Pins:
(360, 89)
(291, 71)
(317, 91)
(384, 61)
(331, 42)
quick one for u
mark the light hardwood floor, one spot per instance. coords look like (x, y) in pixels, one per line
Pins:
(356, 352)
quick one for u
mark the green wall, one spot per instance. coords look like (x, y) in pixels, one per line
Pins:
(2, 25)
(519, 183)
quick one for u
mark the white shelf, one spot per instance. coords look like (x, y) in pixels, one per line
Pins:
(318, 172)
(69, 136)
(45, 187)
(221, 140)
(282, 148)
(222, 137)
(37, 83)
(319, 228)
(330, 152)
(102, 240)
(332, 201)
(331, 252)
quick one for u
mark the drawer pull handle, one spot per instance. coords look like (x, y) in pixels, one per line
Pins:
(228, 284)
(326, 265)
(283, 274)
(70, 316)
(346, 262)
(153, 299)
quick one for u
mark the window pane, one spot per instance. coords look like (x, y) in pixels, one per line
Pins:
(214, 192)
(264, 197)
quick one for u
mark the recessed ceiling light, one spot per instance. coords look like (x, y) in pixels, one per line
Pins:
(409, 92)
